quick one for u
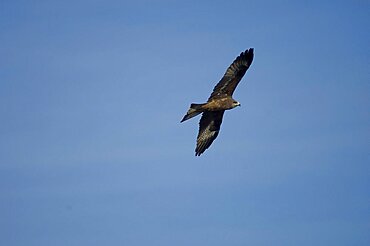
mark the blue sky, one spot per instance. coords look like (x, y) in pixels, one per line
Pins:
(92, 151)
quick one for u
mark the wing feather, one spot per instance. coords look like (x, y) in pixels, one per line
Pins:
(226, 86)
(209, 127)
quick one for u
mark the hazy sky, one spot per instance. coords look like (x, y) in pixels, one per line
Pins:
(92, 151)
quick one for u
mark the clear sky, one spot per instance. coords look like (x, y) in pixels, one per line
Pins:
(92, 151)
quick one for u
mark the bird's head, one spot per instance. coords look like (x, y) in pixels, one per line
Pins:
(236, 104)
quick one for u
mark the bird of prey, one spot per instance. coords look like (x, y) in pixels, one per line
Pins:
(219, 101)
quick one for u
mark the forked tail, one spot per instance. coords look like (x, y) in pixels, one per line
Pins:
(194, 110)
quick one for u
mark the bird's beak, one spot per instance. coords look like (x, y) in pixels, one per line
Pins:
(239, 105)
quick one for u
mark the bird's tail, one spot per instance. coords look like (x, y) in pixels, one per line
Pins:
(194, 110)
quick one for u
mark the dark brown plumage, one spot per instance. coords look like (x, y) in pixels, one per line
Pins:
(219, 101)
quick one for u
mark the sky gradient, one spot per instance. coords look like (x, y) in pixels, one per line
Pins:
(92, 151)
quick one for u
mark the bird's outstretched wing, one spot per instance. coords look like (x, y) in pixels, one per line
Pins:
(209, 126)
(226, 86)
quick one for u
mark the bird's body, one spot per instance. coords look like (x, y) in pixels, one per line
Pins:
(219, 101)
(224, 103)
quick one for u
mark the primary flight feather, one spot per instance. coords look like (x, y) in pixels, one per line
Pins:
(219, 101)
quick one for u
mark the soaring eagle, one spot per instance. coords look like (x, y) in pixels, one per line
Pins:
(219, 101)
